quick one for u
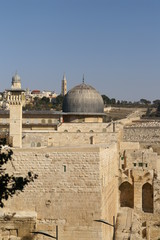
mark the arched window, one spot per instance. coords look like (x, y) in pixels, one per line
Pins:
(38, 144)
(65, 130)
(49, 121)
(33, 144)
(91, 131)
(43, 121)
(126, 195)
(147, 198)
(78, 131)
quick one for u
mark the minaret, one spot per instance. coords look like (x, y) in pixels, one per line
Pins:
(15, 99)
(64, 86)
(83, 79)
(16, 82)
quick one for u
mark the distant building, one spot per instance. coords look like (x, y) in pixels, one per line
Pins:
(30, 95)
(36, 92)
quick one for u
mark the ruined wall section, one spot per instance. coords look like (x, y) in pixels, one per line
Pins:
(148, 136)
(157, 193)
(16, 225)
(141, 159)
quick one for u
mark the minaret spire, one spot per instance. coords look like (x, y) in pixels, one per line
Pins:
(64, 76)
(83, 79)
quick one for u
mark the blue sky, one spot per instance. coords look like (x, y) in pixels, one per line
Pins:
(114, 43)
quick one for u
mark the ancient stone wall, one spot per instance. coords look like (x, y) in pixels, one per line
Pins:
(16, 225)
(157, 193)
(150, 223)
(38, 138)
(86, 127)
(68, 191)
(109, 171)
(141, 134)
(39, 120)
(139, 168)
(140, 159)
(129, 145)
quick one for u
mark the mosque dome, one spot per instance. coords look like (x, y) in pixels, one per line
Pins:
(83, 99)
(16, 79)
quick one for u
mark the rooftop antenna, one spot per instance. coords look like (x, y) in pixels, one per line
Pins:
(83, 79)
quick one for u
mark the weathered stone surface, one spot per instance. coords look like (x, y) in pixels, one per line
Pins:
(75, 185)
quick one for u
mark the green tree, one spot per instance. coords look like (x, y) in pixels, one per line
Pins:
(58, 102)
(39, 104)
(158, 110)
(106, 99)
(10, 184)
(113, 101)
(44, 100)
(156, 102)
(124, 102)
(145, 101)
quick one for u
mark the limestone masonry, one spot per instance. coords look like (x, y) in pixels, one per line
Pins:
(87, 170)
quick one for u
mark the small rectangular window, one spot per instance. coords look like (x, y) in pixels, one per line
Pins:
(146, 164)
(64, 168)
(140, 164)
(134, 164)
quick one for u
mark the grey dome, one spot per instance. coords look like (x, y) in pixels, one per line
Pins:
(16, 78)
(83, 99)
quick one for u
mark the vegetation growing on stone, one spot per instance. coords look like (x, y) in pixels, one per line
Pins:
(11, 184)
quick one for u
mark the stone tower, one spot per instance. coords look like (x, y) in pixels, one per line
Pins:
(15, 100)
(64, 86)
